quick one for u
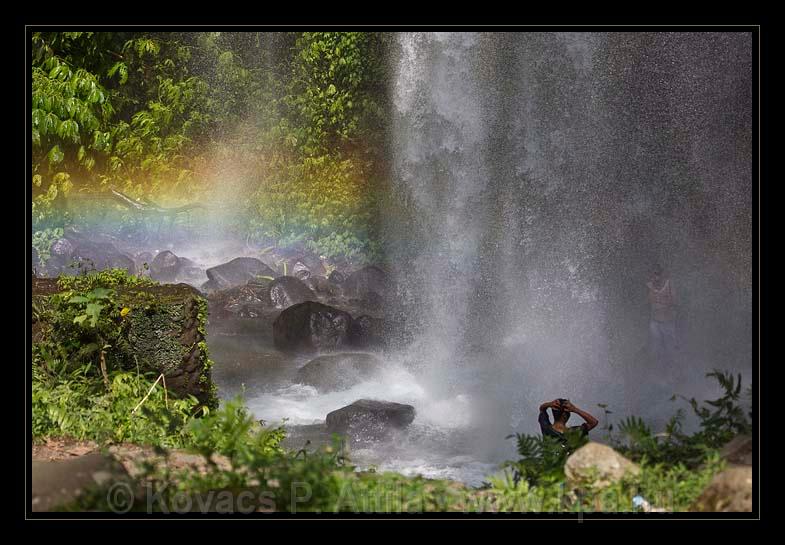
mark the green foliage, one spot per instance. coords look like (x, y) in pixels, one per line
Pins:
(326, 481)
(107, 278)
(724, 417)
(80, 388)
(94, 302)
(232, 431)
(75, 403)
(321, 199)
(720, 420)
(43, 240)
(298, 116)
(542, 457)
(333, 90)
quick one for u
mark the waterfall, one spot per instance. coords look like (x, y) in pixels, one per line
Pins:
(537, 177)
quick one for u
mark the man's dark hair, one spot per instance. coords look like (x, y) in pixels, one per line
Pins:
(558, 413)
(657, 269)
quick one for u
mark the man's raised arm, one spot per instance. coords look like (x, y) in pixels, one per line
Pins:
(591, 421)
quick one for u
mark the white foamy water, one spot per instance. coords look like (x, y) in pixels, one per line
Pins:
(303, 404)
(437, 445)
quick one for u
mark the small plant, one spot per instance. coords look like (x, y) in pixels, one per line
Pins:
(542, 457)
(94, 302)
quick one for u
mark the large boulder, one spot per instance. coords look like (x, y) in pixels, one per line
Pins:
(365, 283)
(366, 332)
(249, 301)
(597, 465)
(100, 256)
(237, 272)
(287, 291)
(163, 338)
(165, 267)
(190, 272)
(728, 492)
(311, 327)
(368, 419)
(143, 258)
(333, 372)
(62, 248)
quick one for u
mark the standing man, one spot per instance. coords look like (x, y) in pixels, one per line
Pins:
(662, 325)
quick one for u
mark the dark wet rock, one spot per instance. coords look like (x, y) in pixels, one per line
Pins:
(57, 483)
(59, 257)
(35, 261)
(361, 283)
(320, 285)
(190, 272)
(260, 282)
(237, 272)
(141, 258)
(368, 419)
(333, 372)
(304, 266)
(336, 277)
(122, 261)
(366, 331)
(371, 300)
(62, 248)
(100, 256)
(165, 267)
(209, 287)
(249, 301)
(300, 271)
(311, 327)
(287, 291)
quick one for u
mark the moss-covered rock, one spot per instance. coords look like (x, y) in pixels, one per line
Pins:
(163, 331)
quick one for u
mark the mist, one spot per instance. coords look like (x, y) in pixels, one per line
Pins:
(538, 177)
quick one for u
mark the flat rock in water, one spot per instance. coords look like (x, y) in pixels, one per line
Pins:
(287, 291)
(333, 372)
(237, 272)
(311, 327)
(368, 419)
